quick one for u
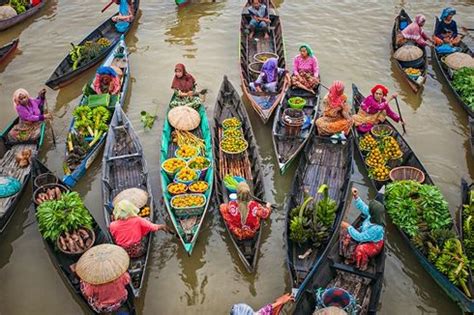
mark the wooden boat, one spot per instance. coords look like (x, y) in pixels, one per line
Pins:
(409, 158)
(63, 262)
(322, 162)
(74, 171)
(5, 24)
(181, 2)
(471, 134)
(124, 166)
(64, 74)
(365, 286)
(417, 84)
(263, 103)
(287, 146)
(8, 49)
(447, 73)
(187, 226)
(247, 166)
(9, 167)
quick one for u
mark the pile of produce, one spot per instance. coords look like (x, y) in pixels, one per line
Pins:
(311, 221)
(188, 201)
(233, 141)
(77, 148)
(182, 138)
(186, 175)
(230, 182)
(66, 214)
(198, 187)
(53, 193)
(19, 6)
(232, 122)
(177, 188)
(234, 145)
(413, 72)
(199, 163)
(186, 152)
(368, 143)
(422, 213)
(82, 54)
(23, 158)
(468, 228)
(173, 165)
(75, 241)
(145, 212)
(90, 122)
(463, 83)
(233, 133)
(391, 148)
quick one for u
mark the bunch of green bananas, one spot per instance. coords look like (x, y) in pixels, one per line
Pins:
(76, 55)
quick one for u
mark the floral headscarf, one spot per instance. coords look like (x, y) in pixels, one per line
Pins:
(336, 94)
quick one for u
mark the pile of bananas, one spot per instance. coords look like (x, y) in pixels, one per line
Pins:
(368, 143)
(81, 54)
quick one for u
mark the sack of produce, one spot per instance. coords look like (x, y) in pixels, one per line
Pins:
(459, 60)
(408, 53)
(137, 196)
(7, 12)
(184, 118)
(9, 186)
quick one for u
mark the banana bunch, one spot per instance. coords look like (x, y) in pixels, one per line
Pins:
(76, 55)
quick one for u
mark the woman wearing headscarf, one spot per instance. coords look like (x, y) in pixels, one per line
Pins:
(415, 31)
(374, 109)
(268, 78)
(184, 86)
(106, 81)
(129, 230)
(269, 309)
(335, 109)
(243, 215)
(447, 31)
(305, 69)
(359, 245)
(30, 111)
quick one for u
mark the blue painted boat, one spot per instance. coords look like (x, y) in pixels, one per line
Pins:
(73, 172)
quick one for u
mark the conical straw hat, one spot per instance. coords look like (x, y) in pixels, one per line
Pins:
(331, 310)
(184, 118)
(137, 196)
(102, 264)
(459, 60)
(408, 53)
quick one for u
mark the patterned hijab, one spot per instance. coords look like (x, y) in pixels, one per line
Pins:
(336, 94)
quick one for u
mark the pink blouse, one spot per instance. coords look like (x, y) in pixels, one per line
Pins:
(415, 32)
(310, 64)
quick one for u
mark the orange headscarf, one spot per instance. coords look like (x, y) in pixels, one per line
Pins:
(336, 94)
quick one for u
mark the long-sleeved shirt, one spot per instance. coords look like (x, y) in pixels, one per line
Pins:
(310, 64)
(371, 106)
(31, 112)
(442, 27)
(262, 78)
(368, 232)
(415, 32)
(107, 294)
(130, 231)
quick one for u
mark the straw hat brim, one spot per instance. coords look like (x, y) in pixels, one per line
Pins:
(184, 118)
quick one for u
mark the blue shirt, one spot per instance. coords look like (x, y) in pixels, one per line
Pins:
(261, 12)
(369, 232)
(442, 27)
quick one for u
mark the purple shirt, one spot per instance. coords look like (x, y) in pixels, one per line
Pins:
(32, 112)
(310, 64)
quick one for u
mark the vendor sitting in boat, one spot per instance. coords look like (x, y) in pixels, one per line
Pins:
(184, 86)
(415, 32)
(125, 11)
(305, 70)
(129, 230)
(106, 81)
(259, 18)
(269, 76)
(243, 215)
(269, 309)
(359, 245)
(30, 111)
(447, 31)
(336, 117)
(374, 109)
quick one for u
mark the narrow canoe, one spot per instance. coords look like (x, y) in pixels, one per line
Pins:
(8, 49)
(248, 166)
(123, 167)
(9, 167)
(181, 2)
(187, 227)
(409, 159)
(64, 74)
(63, 262)
(365, 286)
(417, 84)
(447, 73)
(471, 134)
(74, 172)
(288, 146)
(322, 162)
(5, 24)
(263, 103)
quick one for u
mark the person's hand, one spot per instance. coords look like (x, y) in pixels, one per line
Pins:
(259, 89)
(284, 299)
(42, 93)
(355, 193)
(268, 205)
(48, 116)
(190, 93)
(344, 225)
(394, 95)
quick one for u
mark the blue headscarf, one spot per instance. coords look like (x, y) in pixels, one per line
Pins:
(446, 12)
(270, 68)
(241, 309)
(104, 70)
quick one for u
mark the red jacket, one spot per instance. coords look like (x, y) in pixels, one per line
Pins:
(231, 214)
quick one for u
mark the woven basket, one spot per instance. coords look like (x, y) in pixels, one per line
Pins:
(45, 178)
(407, 173)
(264, 56)
(44, 188)
(381, 127)
(79, 253)
(191, 211)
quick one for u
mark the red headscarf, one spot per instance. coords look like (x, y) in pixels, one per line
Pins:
(379, 86)
(336, 94)
(185, 83)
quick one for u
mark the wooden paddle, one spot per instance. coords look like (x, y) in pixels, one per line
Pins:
(50, 123)
(400, 114)
(274, 207)
(107, 6)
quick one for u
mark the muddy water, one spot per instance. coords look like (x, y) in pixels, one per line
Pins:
(351, 40)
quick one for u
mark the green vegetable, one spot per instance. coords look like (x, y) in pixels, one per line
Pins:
(147, 119)
(19, 5)
(63, 215)
(463, 83)
(298, 224)
(230, 182)
(468, 228)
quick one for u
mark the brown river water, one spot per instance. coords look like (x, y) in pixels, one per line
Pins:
(351, 40)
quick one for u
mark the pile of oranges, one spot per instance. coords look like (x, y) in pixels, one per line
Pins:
(198, 187)
(186, 175)
(177, 188)
(173, 165)
(186, 152)
(145, 212)
(188, 201)
(368, 143)
(391, 148)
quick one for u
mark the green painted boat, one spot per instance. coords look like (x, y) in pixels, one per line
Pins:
(9, 167)
(187, 226)
(181, 2)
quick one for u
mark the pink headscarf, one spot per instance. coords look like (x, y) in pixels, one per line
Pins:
(420, 18)
(336, 94)
(16, 96)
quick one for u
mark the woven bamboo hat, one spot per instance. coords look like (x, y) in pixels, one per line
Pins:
(137, 196)
(184, 118)
(459, 60)
(331, 310)
(102, 264)
(408, 53)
